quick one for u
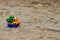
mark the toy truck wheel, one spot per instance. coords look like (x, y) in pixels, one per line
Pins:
(15, 25)
(18, 25)
(9, 25)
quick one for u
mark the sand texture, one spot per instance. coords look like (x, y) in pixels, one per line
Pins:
(40, 19)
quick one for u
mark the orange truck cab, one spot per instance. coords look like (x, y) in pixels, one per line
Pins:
(15, 21)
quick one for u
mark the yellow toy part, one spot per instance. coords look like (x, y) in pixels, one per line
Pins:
(15, 20)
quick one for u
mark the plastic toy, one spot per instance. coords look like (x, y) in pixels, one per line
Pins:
(12, 22)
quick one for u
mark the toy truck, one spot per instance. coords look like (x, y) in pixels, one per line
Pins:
(12, 22)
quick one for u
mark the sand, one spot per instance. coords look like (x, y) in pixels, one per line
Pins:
(40, 19)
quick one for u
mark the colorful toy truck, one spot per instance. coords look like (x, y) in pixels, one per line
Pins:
(12, 22)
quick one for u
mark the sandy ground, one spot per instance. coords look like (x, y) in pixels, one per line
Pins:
(40, 19)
